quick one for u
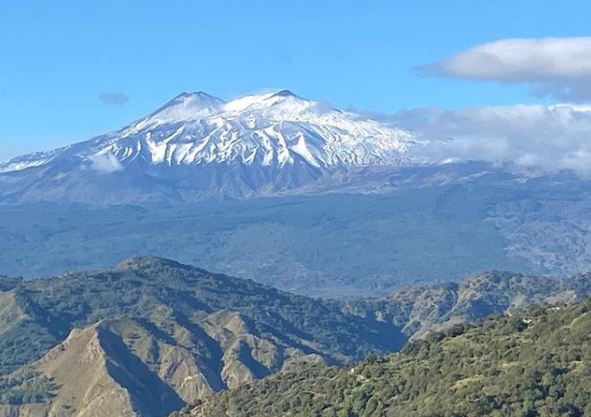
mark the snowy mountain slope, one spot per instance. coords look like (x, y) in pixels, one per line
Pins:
(198, 145)
(272, 129)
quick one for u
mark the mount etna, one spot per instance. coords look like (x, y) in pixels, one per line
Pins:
(353, 205)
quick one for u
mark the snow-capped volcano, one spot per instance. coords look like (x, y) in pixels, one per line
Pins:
(255, 143)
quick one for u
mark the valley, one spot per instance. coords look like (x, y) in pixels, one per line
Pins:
(295, 209)
(150, 336)
(320, 245)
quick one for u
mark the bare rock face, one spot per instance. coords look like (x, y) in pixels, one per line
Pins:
(97, 375)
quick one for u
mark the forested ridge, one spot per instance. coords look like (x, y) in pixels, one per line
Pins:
(180, 334)
(535, 364)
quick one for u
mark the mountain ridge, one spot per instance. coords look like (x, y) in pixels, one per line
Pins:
(157, 334)
(199, 145)
(420, 309)
(532, 364)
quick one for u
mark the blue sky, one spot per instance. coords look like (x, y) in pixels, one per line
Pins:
(73, 69)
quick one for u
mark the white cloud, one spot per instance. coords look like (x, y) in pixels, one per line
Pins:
(540, 137)
(105, 163)
(114, 98)
(555, 67)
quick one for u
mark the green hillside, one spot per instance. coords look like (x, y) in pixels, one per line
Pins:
(151, 335)
(538, 364)
(160, 334)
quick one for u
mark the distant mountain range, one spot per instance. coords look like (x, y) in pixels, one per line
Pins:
(150, 335)
(198, 146)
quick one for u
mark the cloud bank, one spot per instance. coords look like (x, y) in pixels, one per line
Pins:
(553, 67)
(114, 99)
(548, 138)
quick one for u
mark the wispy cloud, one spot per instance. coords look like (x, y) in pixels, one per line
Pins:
(114, 99)
(538, 137)
(554, 67)
(284, 57)
(105, 163)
